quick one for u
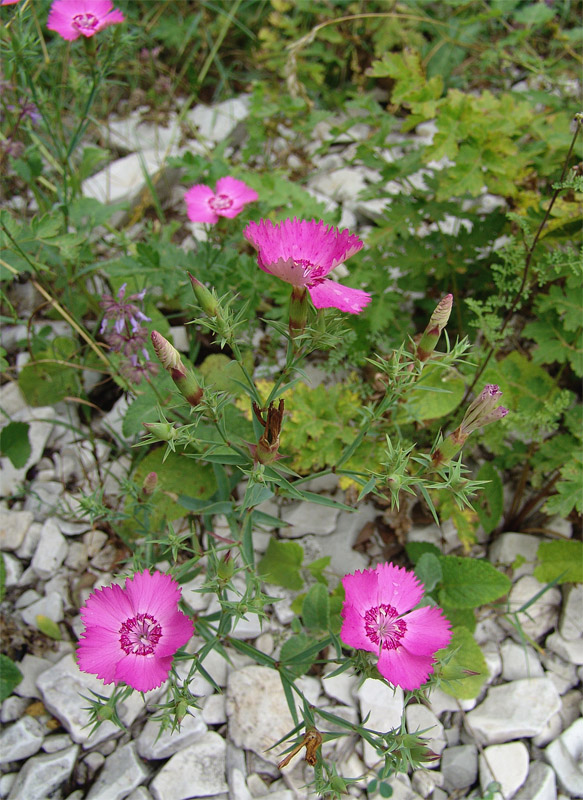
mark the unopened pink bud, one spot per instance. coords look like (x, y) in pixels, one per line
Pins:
(167, 353)
(435, 326)
(150, 482)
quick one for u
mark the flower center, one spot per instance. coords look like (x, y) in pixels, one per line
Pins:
(220, 202)
(382, 626)
(85, 22)
(140, 635)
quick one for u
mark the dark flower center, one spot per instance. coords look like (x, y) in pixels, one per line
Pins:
(220, 202)
(383, 627)
(85, 22)
(140, 635)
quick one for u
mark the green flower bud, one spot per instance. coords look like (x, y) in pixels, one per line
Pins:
(206, 299)
(163, 431)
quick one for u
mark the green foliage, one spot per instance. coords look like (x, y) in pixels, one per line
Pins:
(490, 503)
(51, 376)
(463, 674)
(10, 677)
(316, 608)
(428, 570)
(292, 654)
(48, 626)
(15, 444)
(281, 564)
(469, 582)
(560, 561)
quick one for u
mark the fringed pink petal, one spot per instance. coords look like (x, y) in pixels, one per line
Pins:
(398, 587)
(353, 632)
(405, 669)
(329, 294)
(143, 672)
(98, 652)
(427, 631)
(237, 190)
(176, 632)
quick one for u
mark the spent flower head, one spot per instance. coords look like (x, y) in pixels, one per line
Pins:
(228, 200)
(74, 18)
(378, 616)
(132, 634)
(303, 253)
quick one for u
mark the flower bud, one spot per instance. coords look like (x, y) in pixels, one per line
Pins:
(185, 379)
(437, 323)
(298, 310)
(266, 450)
(206, 299)
(149, 484)
(479, 414)
(162, 431)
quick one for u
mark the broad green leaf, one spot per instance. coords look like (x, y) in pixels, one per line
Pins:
(428, 570)
(437, 393)
(10, 677)
(48, 379)
(469, 582)
(222, 374)
(317, 568)
(560, 558)
(416, 549)
(176, 474)
(14, 443)
(281, 564)
(292, 649)
(461, 617)
(316, 608)
(467, 658)
(489, 503)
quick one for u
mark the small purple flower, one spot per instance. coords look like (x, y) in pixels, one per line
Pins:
(483, 411)
(127, 334)
(123, 313)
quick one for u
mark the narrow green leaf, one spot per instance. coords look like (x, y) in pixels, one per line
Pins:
(316, 608)
(489, 503)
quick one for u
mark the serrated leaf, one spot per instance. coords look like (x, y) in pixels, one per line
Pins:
(467, 658)
(489, 504)
(561, 561)
(316, 608)
(281, 564)
(469, 582)
(428, 570)
(461, 617)
(317, 568)
(10, 677)
(15, 444)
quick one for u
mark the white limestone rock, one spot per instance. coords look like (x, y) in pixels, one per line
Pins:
(541, 616)
(257, 711)
(217, 122)
(51, 550)
(385, 707)
(12, 708)
(519, 661)
(541, 783)
(124, 180)
(571, 623)
(459, 766)
(122, 772)
(152, 746)
(214, 711)
(21, 740)
(306, 518)
(565, 755)
(61, 687)
(13, 528)
(50, 606)
(196, 771)
(41, 775)
(505, 763)
(509, 546)
(570, 650)
(514, 710)
(341, 687)
(134, 134)
(31, 667)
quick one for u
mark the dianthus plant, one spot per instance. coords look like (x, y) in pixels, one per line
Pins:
(378, 622)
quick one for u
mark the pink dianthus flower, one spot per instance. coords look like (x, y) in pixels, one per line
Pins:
(8, 2)
(302, 253)
(228, 199)
(74, 18)
(132, 634)
(378, 617)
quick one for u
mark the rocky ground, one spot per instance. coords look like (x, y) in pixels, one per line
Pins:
(524, 730)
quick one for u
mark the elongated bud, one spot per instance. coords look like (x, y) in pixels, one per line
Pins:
(266, 449)
(163, 431)
(480, 413)
(185, 379)
(437, 323)
(226, 567)
(150, 483)
(298, 310)
(206, 299)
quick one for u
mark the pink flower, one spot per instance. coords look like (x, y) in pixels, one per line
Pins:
(131, 634)
(8, 2)
(74, 18)
(204, 205)
(378, 617)
(302, 253)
